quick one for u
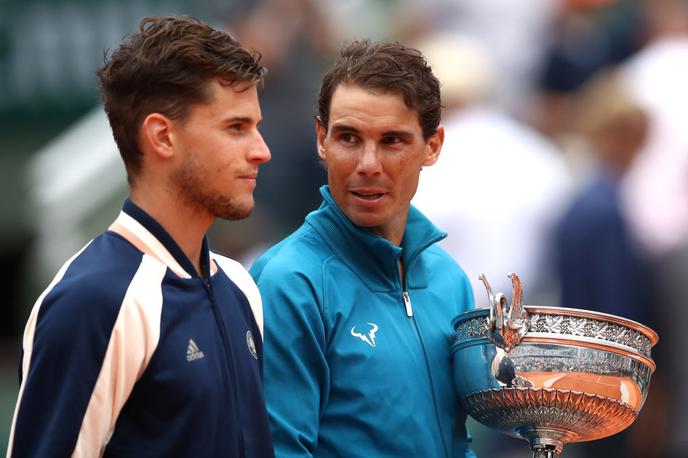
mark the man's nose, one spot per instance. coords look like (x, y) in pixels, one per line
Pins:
(369, 160)
(260, 152)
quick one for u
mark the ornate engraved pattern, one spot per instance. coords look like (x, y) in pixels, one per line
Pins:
(472, 329)
(586, 416)
(477, 327)
(590, 328)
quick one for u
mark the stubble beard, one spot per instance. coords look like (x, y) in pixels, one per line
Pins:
(192, 191)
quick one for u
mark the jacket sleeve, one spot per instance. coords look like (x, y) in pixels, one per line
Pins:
(296, 372)
(83, 350)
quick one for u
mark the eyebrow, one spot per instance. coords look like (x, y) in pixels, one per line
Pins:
(398, 133)
(338, 128)
(241, 119)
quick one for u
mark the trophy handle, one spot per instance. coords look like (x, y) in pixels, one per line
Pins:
(507, 324)
(490, 294)
(517, 311)
(497, 306)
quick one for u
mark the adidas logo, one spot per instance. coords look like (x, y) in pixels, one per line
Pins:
(193, 352)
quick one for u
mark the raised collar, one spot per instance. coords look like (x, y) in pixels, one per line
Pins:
(146, 234)
(373, 258)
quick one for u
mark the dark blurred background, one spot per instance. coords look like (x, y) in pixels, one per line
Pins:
(566, 157)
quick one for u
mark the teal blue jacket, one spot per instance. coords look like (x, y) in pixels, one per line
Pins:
(354, 366)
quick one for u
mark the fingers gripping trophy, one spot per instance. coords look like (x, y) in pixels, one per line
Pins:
(550, 375)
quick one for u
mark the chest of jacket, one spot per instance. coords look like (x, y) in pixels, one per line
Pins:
(371, 338)
(204, 377)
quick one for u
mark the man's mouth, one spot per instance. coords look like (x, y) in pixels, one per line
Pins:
(249, 175)
(368, 195)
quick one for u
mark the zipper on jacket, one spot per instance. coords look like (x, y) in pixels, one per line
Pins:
(217, 313)
(414, 327)
(407, 304)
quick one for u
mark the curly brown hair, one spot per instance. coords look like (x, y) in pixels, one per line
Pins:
(386, 67)
(165, 67)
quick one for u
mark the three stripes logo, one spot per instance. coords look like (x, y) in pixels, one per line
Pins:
(193, 352)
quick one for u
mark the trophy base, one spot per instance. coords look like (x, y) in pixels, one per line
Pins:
(549, 418)
(546, 442)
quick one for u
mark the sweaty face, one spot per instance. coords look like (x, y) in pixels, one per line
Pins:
(221, 149)
(374, 150)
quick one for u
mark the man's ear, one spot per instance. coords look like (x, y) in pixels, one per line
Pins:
(433, 146)
(321, 134)
(157, 135)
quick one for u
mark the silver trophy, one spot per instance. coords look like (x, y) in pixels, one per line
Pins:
(550, 375)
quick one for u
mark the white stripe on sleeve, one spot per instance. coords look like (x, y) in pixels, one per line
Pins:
(240, 276)
(134, 338)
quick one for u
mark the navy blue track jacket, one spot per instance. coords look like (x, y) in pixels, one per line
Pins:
(128, 352)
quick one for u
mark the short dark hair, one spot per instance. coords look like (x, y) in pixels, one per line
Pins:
(165, 67)
(386, 67)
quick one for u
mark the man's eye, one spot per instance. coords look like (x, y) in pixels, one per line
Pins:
(391, 140)
(236, 127)
(347, 138)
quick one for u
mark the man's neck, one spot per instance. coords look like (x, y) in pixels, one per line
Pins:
(186, 226)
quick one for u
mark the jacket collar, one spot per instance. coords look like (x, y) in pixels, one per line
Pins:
(146, 234)
(371, 257)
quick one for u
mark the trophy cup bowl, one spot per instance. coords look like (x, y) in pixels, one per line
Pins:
(550, 375)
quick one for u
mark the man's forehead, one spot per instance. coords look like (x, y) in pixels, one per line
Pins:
(214, 87)
(227, 101)
(351, 87)
(352, 104)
